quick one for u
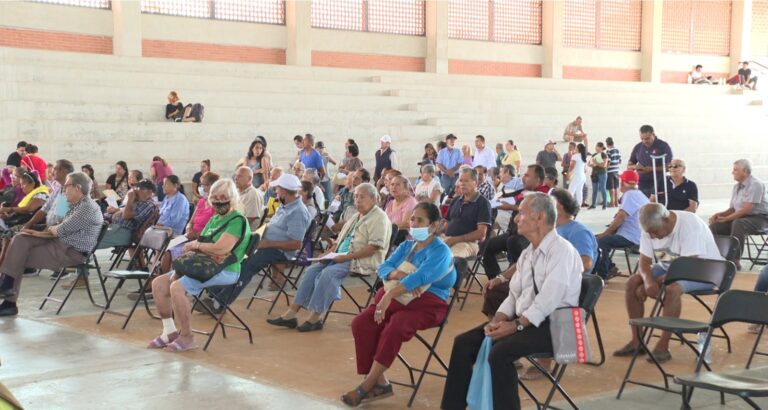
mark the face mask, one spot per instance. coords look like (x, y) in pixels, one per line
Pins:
(419, 234)
(201, 191)
(221, 208)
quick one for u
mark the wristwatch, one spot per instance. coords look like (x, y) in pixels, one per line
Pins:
(518, 326)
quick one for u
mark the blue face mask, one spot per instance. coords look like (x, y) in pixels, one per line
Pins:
(419, 234)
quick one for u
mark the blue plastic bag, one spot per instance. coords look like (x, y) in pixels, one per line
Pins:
(480, 394)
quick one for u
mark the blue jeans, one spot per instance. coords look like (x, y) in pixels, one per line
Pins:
(327, 190)
(253, 265)
(762, 280)
(606, 244)
(600, 186)
(448, 183)
(320, 285)
(687, 286)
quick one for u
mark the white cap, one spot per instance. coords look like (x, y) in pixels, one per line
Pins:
(386, 138)
(547, 142)
(287, 181)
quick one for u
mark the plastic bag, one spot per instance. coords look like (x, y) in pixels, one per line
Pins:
(480, 394)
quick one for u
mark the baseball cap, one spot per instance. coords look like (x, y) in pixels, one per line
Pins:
(287, 181)
(547, 142)
(146, 184)
(630, 177)
(319, 144)
(450, 137)
(386, 138)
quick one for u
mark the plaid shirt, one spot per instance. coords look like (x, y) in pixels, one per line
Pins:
(486, 190)
(80, 228)
(142, 210)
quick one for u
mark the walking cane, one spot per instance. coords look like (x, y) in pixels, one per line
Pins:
(663, 159)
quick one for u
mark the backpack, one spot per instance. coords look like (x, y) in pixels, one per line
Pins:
(198, 112)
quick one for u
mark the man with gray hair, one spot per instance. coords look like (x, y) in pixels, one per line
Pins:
(251, 199)
(311, 175)
(748, 211)
(469, 217)
(61, 245)
(548, 278)
(666, 235)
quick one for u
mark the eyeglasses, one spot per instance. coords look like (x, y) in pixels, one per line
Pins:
(674, 166)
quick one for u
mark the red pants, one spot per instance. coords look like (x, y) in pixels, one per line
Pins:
(381, 342)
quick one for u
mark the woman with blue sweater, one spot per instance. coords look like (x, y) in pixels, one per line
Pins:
(418, 278)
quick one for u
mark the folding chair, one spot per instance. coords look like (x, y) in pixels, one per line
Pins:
(81, 270)
(719, 274)
(220, 294)
(474, 270)
(297, 264)
(370, 285)
(593, 317)
(151, 248)
(415, 382)
(627, 250)
(756, 352)
(751, 244)
(732, 306)
(591, 289)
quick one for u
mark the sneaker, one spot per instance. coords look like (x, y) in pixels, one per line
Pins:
(55, 275)
(135, 295)
(6, 293)
(79, 283)
(31, 272)
(9, 311)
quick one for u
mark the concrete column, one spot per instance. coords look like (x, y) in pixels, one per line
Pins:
(126, 19)
(741, 32)
(437, 36)
(650, 41)
(552, 39)
(298, 21)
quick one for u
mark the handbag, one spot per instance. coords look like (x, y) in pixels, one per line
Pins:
(480, 394)
(202, 267)
(568, 329)
(406, 267)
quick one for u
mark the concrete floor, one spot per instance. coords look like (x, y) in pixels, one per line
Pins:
(68, 361)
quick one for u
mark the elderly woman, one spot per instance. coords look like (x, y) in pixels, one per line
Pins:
(259, 161)
(399, 209)
(308, 197)
(225, 229)
(174, 211)
(311, 175)
(428, 189)
(361, 248)
(407, 303)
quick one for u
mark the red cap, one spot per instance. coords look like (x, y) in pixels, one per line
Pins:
(630, 176)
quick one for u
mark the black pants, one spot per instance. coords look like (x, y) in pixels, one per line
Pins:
(513, 244)
(502, 361)
(253, 265)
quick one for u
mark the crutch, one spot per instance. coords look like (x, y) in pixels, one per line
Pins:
(663, 159)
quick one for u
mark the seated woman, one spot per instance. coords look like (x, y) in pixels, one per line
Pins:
(205, 166)
(429, 189)
(174, 110)
(362, 246)
(399, 209)
(170, 291)
(308, 198)
(87, 169)
(118, 181)
(381, 328)
(174, 211)
(35, 195)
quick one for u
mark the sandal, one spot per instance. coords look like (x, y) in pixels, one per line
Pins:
(352, 402)
(177, 346)
(379, 391)
(159, 343)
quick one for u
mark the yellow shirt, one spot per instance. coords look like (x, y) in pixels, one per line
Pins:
(511, 158)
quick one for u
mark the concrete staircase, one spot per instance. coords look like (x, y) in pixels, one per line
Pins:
(99, 109)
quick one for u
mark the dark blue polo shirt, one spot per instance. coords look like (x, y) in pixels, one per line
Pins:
(463, 217)
(642, 155)
(679, 195)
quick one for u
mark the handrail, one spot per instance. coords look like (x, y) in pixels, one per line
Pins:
(763, 68)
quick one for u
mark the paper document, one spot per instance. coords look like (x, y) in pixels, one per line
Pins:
(496, 202)
(111, 201)
(329, 223)
(334, 206)
(177, 241)
(327, 257)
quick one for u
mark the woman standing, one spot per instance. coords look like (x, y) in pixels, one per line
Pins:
(259, 161)
(577, 173)
(513, 156)
(599, 164)
(159, 169)
(430, 154)
(467, 154)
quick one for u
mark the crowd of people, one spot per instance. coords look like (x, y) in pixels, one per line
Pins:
(463, 201)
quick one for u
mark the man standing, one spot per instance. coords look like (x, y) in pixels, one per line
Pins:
(549, 277)
(614, 164)
(15, 158)
(310, 157)
(385, 157)
(449, 160)
(748, 212)
(251, 199)
(574, 133)
(624, 231)
(641, 161)
(483, 155)
(666, 236)
(549, 156)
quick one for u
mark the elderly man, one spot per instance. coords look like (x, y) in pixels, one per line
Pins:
(61, 245)
(510, 182)
(298, 169)
(251, 199)
(574, 133)
(469, 217)
(483, 155)
(748, 212)
(449, 160)
(666, 236)
(283, 236)
(640, 160)
(139, 208)
(682, 194)
(549, 156)
(346, 198)
(385, 157)
(549, 278)
(484, 186)
(624, 231)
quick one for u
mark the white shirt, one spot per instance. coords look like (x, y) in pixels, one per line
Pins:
(690, 237)
(319, 197)
(252, 201)
(424, 189)
(558, 267)
(484, 157)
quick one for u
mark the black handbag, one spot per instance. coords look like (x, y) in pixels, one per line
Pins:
(202, 267)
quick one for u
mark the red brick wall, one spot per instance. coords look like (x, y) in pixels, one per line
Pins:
(212, 52)
(600, 73)
(54, 40)
(682, 76)
(493, 68)
(367, 61)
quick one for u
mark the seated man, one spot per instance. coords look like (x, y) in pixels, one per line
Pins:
(510, 241)
(56, 206)
(550, 178)
(682, 194)
(59, 246)
(746, 79)
(748, 213)
(549, 278)
(574, 133)
(484, 186)
(469, 217)
(697, 77)
(666, 236)
(251, 199)
(624, 231)
(139, 208)
(282, 237)
(510, 182)
(363, 243)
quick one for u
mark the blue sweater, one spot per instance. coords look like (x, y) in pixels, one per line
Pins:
(434, 266)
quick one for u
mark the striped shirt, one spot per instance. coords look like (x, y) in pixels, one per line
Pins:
(615, 160)
(80, 228)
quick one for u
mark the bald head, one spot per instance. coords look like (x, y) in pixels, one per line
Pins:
(243, 178)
